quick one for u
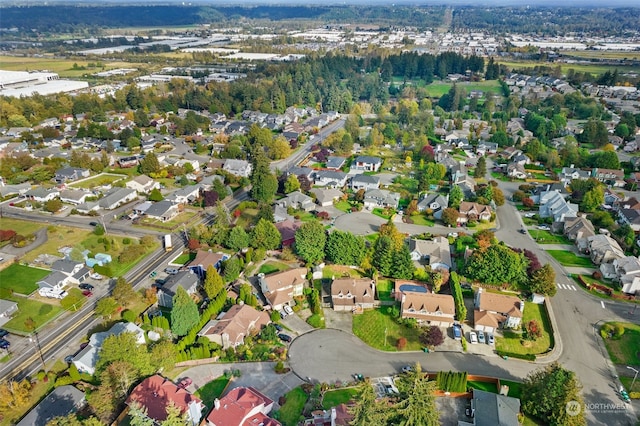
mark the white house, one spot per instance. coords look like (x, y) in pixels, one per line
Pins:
(381, 198)
(143, 184)
(240, 168)
(116, 197)
(365, 182)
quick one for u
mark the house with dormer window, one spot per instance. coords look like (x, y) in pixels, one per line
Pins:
(352, 295)
(473, 211)
(428, 308)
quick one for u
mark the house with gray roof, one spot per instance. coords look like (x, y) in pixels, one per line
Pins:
(20, 189)
(433, 202)
(297, 200)
(69, 174)
(555, 206)
(240, 168)
(116, 197)
(185, 279)
(74, 196)
(163, 211)
(570, 173)
(492, 409)
(381, 198)
(335, 163)
(76, 271)
(326, 196)
(185, 195)
(365, 182)
(61, 402)
(435, 253)
(7, 309)
(55, 281)
(331, 179)
(41, 194)
(143, 184)
(604, 249)
(302, 171)
(366, 163)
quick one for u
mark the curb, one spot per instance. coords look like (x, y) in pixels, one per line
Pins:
(557, 349)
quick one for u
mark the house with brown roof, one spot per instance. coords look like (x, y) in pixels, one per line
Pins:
(155, 393)
(339, 415)
(493, 310)
(352, 295)
(230, 329)
(204, 259)
(428, 308)
(242, 407)
(280, 288)
(578, 229)
(473, 211)
(287, 229)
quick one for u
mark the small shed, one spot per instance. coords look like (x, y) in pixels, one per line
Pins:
(537, 298)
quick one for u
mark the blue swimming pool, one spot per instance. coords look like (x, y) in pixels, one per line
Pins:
(413, 287)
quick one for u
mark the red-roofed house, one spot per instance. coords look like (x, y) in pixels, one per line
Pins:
(155, 393)
(287, 229)
(242, 407)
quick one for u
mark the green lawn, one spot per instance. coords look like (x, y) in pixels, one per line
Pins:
(546, 237)
(99, 180)
(436, 90)
(212, 390)
(381, 213)
(420, 219)
(483, 386)
(512, 342)
(337, 271)
(385, 288)
(372, 326)
(58, 237)
(184, 258)
(626, 349)
(515, 388)
(247, 218)
(343, 206)
(568, 258)
(116, 246)
(21, 279)
(339, 396)
(181, 219)
(40, 312)
(272, 266)
(22, 227)
(289, 414)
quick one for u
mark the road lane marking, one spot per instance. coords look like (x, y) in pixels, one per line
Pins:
(602, 303)
(574, 288)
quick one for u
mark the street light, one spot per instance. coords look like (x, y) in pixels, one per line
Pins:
(634, 377)
(37, 342)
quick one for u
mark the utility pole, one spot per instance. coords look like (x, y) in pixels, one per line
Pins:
(39, 348)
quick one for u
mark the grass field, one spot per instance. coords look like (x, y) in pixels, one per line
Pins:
(64, 67)
(420, 219)
(567, 258)
(626, 349)
(273, 266)
(512, 342)
(372, 327)
(184, 258)
(339, 396)
(380, 213)
(385, 288)
(40, 312)
(593, 69)
(337, 271)
(289, 414)
(212, 390)
(99, 180)
(436, 90)
(602, 54)
(58, 237)
(343, 206)
(22, 227)
(546, 237)
(21, 279)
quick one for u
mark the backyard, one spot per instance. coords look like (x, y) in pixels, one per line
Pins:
(378, 329)
(21, 279)
(337, 271)
(512, 341)
(272, 266)
(58, 237)
(247, 218)
(181, 219)
(289, 414)
(102, 179)
(40, 312)
(385, 288)
(567, 258)
(336, 397)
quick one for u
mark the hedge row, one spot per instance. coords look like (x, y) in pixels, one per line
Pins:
(452, 381)
(528, 357)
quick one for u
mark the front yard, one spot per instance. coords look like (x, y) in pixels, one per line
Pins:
(512, 341)
(567, 258)
(182, 218)
(625, 351)
(289, 414)
(40, 312)
(21, 227)
(546, 237)
(336, 397)
(212, 390)
(379, 330)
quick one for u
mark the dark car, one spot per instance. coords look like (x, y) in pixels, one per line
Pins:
(93, 223)
(4, 344)
(185, 383)
(522, 231)
(285, 337)
(3, 332)
(85, 286)
(69, 359)
(278, 327)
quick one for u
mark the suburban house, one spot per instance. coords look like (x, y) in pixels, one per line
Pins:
(428, 308)
(604, 249)
(555, 206)
(516, 171)
(204, 259)
(627, 273)
(126, 162)
(365, 182)
(41, 194)
(491, 409)
(7, 309)
(339, 415)
(486, 148)
(74, 196)
(69, 174)
(242, 407)
(570, 173)
(610, 177)
(143, 184)
(435, 203)
(473, 211)
(335, 163)
(579, 229)
(76, 271)
(466, 183)
(492, 311)
(241, 168)
(231, 327)
(326, 196)
(435, 253)
(366, 163)
(280, 288)
(280, 214)
(116, 197)
(86, 360)
(155, 393)
(20, 189)
(185, 279)
(185, 195)
(331, 179)
(630, 217)
(299, 172)
(374, 198)
(402, 286)
(352, 294)
(287, 229)
(61, 402)
(55, 282)
(297, 201)
(162, 211)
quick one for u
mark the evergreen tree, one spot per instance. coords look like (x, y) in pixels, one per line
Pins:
(481, 167)
(237, 239)
(383, 255)
(264, 183)
(455, 197)
(265, 236)
(402, 264)
(310, 241)
(184, 313)
(213, 283)
(150, 164)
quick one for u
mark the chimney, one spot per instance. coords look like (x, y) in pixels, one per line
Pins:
(521, 306)
(216, 404)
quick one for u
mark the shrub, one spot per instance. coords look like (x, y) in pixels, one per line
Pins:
(401, 343)
(74, 373)
(7, 234)
(126, 241)
(129, 316)
(279, 368)
(634, 395)
(597, 275)
(618, 331)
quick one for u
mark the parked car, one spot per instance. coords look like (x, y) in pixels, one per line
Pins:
(153, 274)
(473, 338)
(452, 234)
(278, 327)
(490, 340)
(3, 332)
(4, 344)
(407, 369)
(481, 338)
(93, 223)
(69, 358)
(529, 214)
(288, 309)
(87, 293)
(153, 314)
(171, 271)
(285, 337)
(95, 276)
(85, 286)
(457, 332)
(185, 383)
(544, 228)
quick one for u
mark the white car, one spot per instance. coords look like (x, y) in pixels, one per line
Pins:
(473, 338)
(544, 228)
(287, 309)
(529, 214)
(481, 336)
(95, 276)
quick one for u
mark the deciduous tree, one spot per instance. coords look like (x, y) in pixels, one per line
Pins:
(237, 239)
(265, 236)
(123, 292)
(432, 336)
(543, 281)
(450, 216)
(310, 241)
(344, 248)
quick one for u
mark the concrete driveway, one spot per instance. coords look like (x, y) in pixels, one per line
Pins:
(359, 223)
